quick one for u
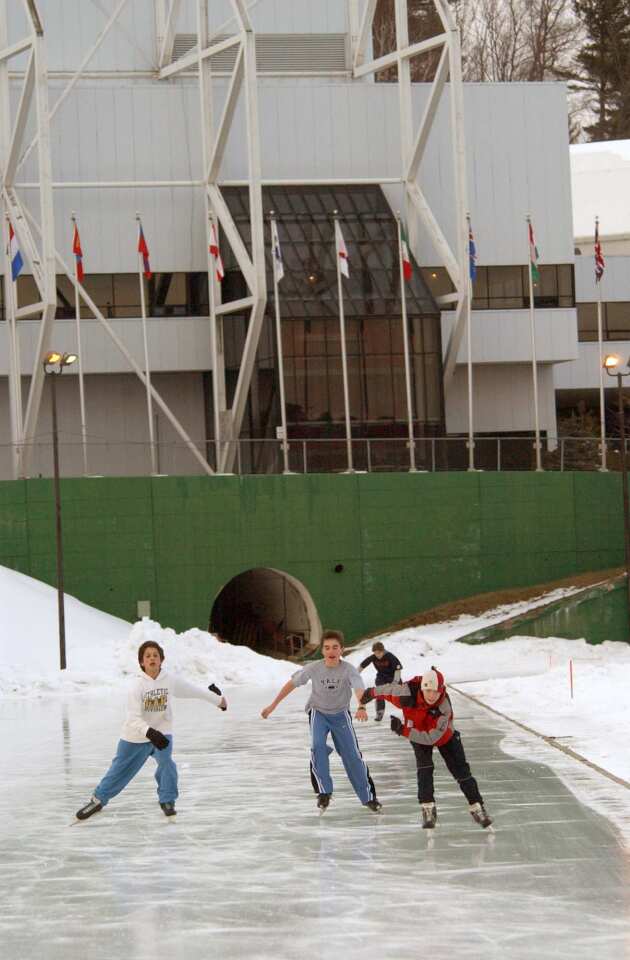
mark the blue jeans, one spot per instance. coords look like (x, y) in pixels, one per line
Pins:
(129, 760)
(339, 725)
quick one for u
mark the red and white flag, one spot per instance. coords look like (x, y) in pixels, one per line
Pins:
(216, 253)
(342, 251)
(143, 250)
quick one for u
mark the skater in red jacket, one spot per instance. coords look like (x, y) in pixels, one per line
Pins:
(428, 723)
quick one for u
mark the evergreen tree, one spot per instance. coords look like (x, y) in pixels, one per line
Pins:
(603, 65)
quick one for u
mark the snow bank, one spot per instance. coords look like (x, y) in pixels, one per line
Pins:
(101, 650)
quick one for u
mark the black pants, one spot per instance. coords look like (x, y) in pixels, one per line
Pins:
(456, 763)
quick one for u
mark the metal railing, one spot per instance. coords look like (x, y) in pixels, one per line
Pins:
(309, 456)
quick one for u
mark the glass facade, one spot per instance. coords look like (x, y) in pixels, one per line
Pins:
(310, 313)
(507, 288)
(615, 320)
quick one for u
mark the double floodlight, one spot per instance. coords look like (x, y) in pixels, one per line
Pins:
(61, 360)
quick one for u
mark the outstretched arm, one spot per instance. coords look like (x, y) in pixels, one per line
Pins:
(283, 692)
(361, 713)
(183, 688)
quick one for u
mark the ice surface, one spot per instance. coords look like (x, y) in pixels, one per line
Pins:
(251, 871)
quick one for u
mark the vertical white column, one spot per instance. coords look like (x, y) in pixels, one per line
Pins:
(214, 353)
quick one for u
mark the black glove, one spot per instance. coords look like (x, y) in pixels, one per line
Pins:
(396, 725)
(214, 689)
(157, 739)
(367, 696)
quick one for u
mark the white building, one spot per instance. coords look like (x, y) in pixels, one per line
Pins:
(323, 135)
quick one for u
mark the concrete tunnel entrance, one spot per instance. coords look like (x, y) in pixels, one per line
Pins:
(267, 610)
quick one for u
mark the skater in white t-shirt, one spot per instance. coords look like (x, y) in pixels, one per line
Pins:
(147, 731)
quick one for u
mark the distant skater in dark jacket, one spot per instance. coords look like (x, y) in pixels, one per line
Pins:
(428, 723)
(387, 667)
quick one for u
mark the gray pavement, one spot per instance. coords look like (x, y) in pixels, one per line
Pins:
(250, 871)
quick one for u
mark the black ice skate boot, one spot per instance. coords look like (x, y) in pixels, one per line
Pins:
(93, 806)
(429, 816)
(479, 815)
(379, 715)
(374, 805)
(169, 809)
(323, 799)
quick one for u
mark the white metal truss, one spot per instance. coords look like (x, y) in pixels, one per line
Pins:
(413, 147)
(39, 254)
(243, 84)
(36, 239)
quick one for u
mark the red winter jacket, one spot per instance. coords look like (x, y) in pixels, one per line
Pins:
(430, 725)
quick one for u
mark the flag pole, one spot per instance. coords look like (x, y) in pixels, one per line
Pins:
(147, 370)
(471, 438)
(532, 324)
(600, 342)
(77, 318)
(214, 353)
(411, 443)
(16, 400)
(344, 359)
(283, 403)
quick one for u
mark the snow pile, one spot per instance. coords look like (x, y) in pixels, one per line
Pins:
(101, 650)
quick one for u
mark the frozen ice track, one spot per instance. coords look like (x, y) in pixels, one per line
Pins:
(251, 869)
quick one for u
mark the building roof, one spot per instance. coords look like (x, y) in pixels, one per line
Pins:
(600, 179)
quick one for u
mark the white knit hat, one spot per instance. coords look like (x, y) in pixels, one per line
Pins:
(430, 681)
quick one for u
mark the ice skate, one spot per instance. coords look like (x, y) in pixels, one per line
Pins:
(479, 815)
(93, 806)
(429, 816)
(374, 805)
(379, 716)
(169, 810)
(323, 801)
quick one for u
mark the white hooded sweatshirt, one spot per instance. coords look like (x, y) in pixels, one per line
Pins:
(149, 703)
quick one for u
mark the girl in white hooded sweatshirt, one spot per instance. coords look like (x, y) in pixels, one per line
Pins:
(147, 731)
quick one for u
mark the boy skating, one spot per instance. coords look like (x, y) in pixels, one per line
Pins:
(147, 731)
(387, 667)
(328, 707)
(428, 723)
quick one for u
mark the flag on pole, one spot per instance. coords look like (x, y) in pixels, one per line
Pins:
(342, 251)
(599, 256)
(472, 253)
(404, 253)
(533, 254)
(216, 253)
(276, 253)
(144, 250)
(15, 256)
(78, 253)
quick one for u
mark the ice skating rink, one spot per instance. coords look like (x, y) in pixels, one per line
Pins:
(251, 871)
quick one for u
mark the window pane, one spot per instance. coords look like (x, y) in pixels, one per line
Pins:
(618, 320)
(505, 287)
(587, 321)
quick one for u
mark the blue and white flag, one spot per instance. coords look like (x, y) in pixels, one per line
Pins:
(14, 255)
(276, 253)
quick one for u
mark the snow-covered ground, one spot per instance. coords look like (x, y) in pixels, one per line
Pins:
(525, 678)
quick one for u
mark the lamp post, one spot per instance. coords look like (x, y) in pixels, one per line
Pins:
(54, 364)
(611, 364)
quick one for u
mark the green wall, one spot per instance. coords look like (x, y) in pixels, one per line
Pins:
(407, 542)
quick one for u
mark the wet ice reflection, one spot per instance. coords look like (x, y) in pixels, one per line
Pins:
(250, 870)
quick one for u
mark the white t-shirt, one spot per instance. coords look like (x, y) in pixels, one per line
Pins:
(149, 703)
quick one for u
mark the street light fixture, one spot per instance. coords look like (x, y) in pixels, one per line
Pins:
(612, 363)
(54, 365)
